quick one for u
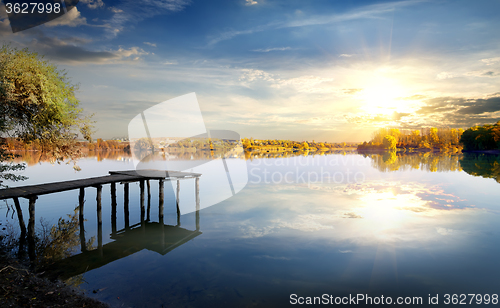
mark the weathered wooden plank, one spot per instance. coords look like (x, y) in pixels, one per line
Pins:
(48, 188)
(157, 174)
(115, 176)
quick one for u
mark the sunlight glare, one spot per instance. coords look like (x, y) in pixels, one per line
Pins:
(383, 96)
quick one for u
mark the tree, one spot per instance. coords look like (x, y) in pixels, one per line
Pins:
(433, 135)
(389, 143)
(479, 138)
(38, 101)
(144, 144)
(37, 104)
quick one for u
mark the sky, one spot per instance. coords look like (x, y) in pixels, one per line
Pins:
(280, 69)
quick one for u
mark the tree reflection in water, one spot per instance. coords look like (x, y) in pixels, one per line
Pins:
(432, 162)
(484, 165)
(477, 164)
(51, 243)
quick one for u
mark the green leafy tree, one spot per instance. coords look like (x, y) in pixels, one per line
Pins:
(37, 100)
(480, 138)
(37, 105)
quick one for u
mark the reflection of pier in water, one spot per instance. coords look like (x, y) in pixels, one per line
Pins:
(145, 235)
(152, 236)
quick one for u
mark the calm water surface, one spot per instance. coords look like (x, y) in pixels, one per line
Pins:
(309, 225)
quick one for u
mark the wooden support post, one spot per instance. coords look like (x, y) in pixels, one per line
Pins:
(177, 203)
(160, 215)
(143, 209)
(99, 218)
(31, 230)
(197, 190)
(125, 205)
(149, 201)
(81, 201)
(113, 207)
(22, 226)
(160, 208)
(20, 217)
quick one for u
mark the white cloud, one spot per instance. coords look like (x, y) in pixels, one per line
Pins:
(150, 44)
(115, 10)
(93, 4)
(133, 52)
(444, 231)
(133, 11)
(251, 2)
(491, 61)
(344, 55)
(273, 49)
(483, 73)
(302, 84)
(71, 19)
(309, 84)
(253, 75)
(444, 75)
(367, 12)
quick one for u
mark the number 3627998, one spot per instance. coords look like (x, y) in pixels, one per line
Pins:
(33, 8)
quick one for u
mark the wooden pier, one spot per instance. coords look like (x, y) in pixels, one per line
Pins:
(144, 177)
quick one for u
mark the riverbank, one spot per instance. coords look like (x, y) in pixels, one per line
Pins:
(20, 287)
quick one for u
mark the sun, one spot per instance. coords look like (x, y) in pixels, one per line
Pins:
(383, 95)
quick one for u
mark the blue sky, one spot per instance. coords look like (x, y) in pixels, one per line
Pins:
(315, 69)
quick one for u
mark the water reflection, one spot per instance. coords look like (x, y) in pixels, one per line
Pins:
(433, 162)
(477, 164)
(394, 234)
(61, 250)
(50, 243)
(36, 157)
(484, 165)
(152, 236)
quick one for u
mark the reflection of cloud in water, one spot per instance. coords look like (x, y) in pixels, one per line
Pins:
(371, 212)
(272, 257)
(345, 251)
(416, 197)
(444, 231)
(304, 223)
